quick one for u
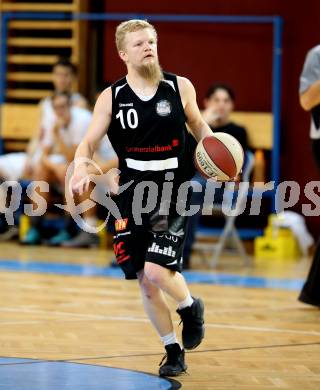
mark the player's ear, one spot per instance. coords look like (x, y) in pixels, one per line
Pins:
(122, 55)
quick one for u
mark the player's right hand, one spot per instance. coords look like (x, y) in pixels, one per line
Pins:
(79, 182)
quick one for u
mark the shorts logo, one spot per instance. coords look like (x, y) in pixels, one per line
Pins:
(120, 252)
(121, 224)
(167, 250)
(163, 108)
(169, 237)
(174, 262)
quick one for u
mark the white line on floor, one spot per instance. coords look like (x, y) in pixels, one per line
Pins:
(95, 317)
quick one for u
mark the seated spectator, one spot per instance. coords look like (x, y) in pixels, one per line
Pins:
(106, 159)
(219, 104)
(15, 166)
(60, 140)
(58, 147)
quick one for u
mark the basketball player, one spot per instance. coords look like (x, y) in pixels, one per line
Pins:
(145, 115)
(310, 101)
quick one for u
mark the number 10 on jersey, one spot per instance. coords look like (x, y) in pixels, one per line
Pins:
(132, 118)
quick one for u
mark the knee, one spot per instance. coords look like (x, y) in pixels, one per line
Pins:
(147, 288)
(155, 273)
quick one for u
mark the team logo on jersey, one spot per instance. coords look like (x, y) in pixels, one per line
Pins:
(163, 108)
(121, 224)
(175, 142)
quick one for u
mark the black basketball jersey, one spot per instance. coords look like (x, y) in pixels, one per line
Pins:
(149, 137)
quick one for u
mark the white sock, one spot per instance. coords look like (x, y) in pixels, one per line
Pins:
(186, 302)
(170, 338)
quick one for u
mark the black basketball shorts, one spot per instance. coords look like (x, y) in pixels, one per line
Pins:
(159, 239)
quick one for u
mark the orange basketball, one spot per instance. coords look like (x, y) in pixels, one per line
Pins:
(219, 156)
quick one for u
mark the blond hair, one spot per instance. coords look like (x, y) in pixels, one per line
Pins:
(131, 26)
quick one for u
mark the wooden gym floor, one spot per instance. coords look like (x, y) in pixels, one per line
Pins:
(256, 337)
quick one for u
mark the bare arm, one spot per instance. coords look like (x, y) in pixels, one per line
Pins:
(32, 145)
(99, 124)
(66, 150)
(105, 166)
(34, 142)
(310, 97)
(195, 122)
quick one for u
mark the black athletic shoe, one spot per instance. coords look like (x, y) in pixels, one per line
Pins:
(193, 324)
(174, 365)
